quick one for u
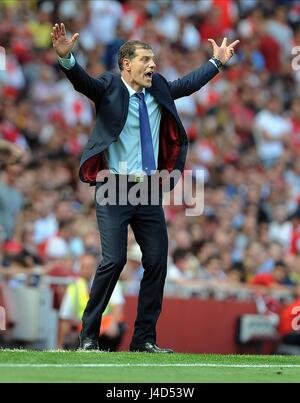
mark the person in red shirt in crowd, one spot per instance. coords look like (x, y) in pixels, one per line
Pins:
(227, 13)
(210, 27)
(219, 19)
(289, 326)
(269, 48)
(278, 277)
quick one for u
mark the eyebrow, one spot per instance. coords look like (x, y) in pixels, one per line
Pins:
(148, 57)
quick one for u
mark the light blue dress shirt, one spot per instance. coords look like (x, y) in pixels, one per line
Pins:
(124, 156)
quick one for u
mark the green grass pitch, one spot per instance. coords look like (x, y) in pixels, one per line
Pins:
(100, 367)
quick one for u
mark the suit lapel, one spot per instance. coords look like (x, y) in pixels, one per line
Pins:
(159, 97)
(157, 92)
(124, 91)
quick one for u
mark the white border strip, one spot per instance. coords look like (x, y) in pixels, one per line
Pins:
(148, 365)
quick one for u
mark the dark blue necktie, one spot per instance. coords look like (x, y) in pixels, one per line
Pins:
(148, 159)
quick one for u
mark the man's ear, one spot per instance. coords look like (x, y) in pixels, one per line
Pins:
(126, 65)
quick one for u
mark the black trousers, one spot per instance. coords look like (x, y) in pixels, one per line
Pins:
(149, 228)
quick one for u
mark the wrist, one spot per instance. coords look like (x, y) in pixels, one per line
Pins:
(217, 61)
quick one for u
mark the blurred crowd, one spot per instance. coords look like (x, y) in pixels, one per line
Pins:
(243, 127)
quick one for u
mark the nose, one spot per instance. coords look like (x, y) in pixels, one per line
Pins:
(152, 64)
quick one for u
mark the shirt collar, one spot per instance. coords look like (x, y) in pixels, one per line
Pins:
(130, 89)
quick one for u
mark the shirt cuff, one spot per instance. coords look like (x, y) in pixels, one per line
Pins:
(210, 60)
(67, 63)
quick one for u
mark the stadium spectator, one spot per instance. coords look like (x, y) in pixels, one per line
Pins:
(272, 132)
(183, 267)
(11, 201)
(278, 277)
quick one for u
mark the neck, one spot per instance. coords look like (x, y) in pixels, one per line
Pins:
(136, 87)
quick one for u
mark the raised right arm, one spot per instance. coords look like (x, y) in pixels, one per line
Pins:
(92, 87)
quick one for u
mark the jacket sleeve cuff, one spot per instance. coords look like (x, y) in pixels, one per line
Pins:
(214, 63)
(67, 63)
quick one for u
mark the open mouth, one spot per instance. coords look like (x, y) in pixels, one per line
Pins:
(149, 75)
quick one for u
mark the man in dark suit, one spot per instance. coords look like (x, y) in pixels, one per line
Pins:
(136, 124)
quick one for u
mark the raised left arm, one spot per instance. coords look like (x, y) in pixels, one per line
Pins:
(192, 82)
(195, 80)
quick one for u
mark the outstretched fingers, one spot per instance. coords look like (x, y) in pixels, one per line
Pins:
(74, 37)
(233, 44)
(59, 30)
(54, 33)
(63, 29)
(224, 43)
(212, 42)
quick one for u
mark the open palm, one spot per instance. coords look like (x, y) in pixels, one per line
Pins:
(61, 43)
(223, 52)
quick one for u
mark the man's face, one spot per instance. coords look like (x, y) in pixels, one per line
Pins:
(141, 68)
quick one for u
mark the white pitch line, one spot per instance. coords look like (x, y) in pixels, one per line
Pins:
(148, 365)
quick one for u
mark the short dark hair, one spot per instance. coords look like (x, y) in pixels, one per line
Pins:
(280, 263)
(127, 51)
(180, 254)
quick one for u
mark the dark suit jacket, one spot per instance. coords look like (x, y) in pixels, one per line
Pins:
(111, 100)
